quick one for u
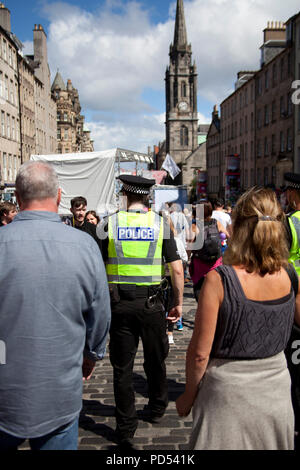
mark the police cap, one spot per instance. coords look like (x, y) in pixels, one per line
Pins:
(292, 180)
(136, 184)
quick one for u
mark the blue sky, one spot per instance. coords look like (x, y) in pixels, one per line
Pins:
(116, 53)
(23, 13)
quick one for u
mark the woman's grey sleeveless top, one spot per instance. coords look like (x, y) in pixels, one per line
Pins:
(250, 329)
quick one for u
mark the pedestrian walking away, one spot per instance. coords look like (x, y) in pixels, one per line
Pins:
(223, 217)
(54, 317)
(209, 256)
(236, 371)
(137, 244)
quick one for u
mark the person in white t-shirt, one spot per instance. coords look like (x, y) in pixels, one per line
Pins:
(224, 218)
(221, 216)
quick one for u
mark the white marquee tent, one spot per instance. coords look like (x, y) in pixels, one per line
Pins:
(90, 174)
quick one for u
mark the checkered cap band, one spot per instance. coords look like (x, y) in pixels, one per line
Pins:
(135, 189)
(293, 185)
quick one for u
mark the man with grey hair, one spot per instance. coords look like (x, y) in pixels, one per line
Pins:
(54, 317)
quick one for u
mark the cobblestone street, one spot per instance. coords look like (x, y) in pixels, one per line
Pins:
(97, 422)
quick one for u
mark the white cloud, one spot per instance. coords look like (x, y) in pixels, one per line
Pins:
(27, 48)
(133, 133)
(226, 36)
(203, 119)
(112, 58)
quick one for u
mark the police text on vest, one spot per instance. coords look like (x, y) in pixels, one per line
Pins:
(135, 234)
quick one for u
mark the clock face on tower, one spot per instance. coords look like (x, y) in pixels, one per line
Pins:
(183, 106)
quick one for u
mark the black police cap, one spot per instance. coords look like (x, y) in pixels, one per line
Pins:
(136, 184)
(292, 180)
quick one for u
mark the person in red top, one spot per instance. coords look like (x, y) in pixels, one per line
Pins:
(198, 267)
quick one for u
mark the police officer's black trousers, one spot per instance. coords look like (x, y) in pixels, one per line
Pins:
(131, 320)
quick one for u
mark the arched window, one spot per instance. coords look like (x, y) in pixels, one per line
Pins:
(183, 89)
(184, 136)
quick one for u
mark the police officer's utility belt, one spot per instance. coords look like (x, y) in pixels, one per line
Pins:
(132, 291)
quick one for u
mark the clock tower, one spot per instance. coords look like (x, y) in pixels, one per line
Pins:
(181, 95)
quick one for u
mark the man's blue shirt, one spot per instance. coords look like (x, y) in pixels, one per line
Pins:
(54, 307)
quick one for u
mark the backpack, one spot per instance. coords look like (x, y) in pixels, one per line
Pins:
(212, 248)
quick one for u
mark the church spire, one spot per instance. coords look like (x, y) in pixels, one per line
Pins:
(180, 36)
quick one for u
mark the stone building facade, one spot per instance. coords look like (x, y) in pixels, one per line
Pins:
(213, 149)
(45, 105)
(87, 144)
(274, 120)
(181, 95)
(72, 135)
(237, 128)
(258, 120)
(10, 149)
(28, 110)
(27, 83)
(293, 39)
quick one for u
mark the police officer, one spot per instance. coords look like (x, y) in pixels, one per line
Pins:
(134, 252)
(293, 198)
(293, 220)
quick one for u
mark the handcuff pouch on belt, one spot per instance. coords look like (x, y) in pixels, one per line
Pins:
(159, 293)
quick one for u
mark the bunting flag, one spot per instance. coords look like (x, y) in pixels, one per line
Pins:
(170, 166)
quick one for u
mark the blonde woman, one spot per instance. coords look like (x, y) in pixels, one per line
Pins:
(237, 381)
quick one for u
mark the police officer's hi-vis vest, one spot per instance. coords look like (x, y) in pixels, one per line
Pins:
(135, 248)
(294, 221)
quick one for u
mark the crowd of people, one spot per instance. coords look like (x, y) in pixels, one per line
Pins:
(68, 295)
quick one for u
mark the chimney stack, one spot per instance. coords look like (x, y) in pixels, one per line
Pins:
(5, 18)
(275, 30)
